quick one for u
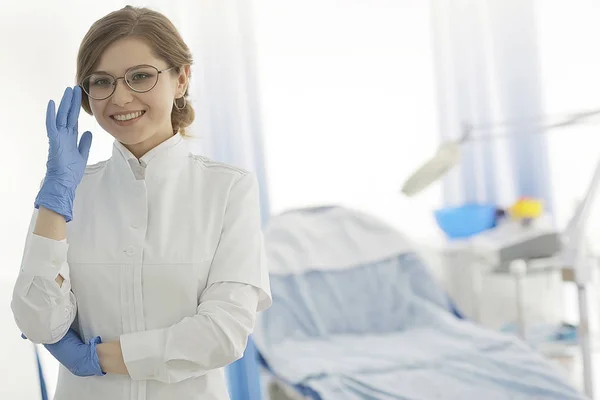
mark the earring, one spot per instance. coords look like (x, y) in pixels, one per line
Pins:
(179, 108)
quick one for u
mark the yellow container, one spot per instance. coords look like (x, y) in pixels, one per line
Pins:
(526, 208)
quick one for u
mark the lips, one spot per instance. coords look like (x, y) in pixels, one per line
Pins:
(126, 119)
(127, 116)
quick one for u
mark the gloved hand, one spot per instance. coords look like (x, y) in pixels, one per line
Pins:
(78, 357)
(66, 161)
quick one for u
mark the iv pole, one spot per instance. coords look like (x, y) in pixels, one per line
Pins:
(576, 256)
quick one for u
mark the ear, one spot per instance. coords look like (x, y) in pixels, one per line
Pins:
(183, 80)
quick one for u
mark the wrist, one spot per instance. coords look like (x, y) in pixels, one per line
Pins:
(110, 358)
(56, 197)
(50, 224)
(104, 356)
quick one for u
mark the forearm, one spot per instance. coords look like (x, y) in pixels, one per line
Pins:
(213, 338)
(43, 304)
(52, 226)
(110, 356)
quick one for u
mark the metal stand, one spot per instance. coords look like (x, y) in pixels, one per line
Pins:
(477, 288)
(518, 269)
(585, 340)
(577, 257)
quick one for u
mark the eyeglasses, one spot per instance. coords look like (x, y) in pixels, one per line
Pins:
(140, 79)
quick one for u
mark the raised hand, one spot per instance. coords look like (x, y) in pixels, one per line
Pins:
(66, 159)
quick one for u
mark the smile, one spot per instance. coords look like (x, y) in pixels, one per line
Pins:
(129, 118)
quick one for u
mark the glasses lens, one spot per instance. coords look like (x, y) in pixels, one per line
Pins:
(142, 79)
(99, 86)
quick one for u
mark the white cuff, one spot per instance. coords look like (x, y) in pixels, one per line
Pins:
(45, 257)
(143, 353)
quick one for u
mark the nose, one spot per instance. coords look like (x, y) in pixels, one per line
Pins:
(122, 94)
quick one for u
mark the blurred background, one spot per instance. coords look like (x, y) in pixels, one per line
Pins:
(337, 102)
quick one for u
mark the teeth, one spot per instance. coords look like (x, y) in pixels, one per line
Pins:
(127, 117)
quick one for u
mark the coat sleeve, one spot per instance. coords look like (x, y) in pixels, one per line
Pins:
(215, 337)
(42, 309)
(237, 288)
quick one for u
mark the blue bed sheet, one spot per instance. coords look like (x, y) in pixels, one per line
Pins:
(386, 330)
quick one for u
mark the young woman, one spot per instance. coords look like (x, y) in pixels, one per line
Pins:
(142, 274)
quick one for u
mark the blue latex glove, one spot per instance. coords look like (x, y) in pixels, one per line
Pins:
(66, 161)
(78, 357)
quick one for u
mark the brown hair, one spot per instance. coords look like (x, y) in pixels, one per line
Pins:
(148, 25)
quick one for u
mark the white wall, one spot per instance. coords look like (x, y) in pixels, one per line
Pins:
(570, 62)
(348, 104)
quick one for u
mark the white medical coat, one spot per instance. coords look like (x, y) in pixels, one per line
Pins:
(164, 254)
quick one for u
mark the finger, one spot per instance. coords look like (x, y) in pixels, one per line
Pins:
(75, 107)
(84, 145)
(63, 108)
(50, 118)
(76, 132)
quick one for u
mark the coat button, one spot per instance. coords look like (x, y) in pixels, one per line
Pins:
(129, 251)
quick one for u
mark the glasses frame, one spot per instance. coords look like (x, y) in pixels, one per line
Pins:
(114, 85)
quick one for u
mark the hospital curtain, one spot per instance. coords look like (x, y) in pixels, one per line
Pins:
(488, 70)
(227, 127)
(224, 88)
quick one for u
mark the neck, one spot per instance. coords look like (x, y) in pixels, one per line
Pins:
(139, 149)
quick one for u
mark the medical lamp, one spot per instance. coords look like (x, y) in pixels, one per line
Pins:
(574, 253)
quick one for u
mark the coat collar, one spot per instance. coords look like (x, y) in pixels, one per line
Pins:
(162, 160)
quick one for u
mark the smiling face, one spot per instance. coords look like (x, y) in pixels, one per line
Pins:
(140, 121)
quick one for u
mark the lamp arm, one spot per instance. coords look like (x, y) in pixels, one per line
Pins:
(538, 125)
(448, 154)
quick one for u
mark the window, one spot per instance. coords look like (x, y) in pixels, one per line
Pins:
(348, 105)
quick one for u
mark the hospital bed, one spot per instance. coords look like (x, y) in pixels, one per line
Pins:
(356, 315)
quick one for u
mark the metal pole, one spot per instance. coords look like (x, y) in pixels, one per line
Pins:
(577, 256)
(477, 286)
(585, 339)
(518, 269)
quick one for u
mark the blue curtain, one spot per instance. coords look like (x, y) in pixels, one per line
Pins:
(229, 124)
(487, 68)
(487, 71)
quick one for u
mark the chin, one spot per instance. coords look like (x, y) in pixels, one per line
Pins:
(132, 139)
(126, 135)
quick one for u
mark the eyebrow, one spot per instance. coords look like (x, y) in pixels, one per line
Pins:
(100, 72)
(126, 69)
(110, 73)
